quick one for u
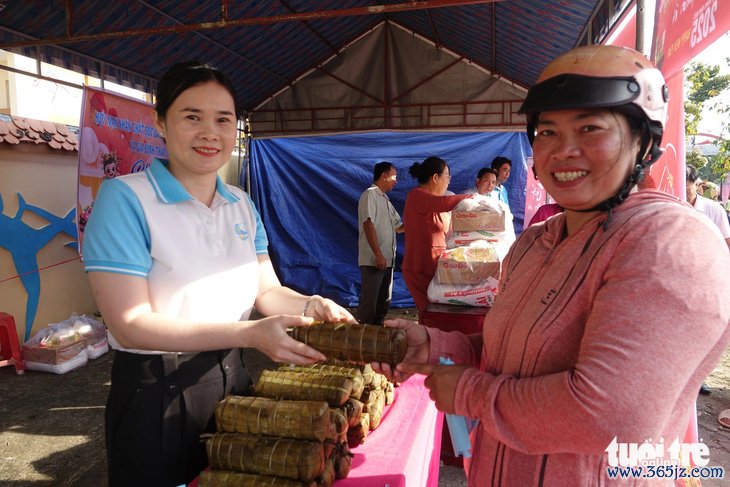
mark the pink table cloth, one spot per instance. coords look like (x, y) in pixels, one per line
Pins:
(404, 451)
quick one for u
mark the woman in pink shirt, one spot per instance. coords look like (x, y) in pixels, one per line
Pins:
(607, 320)
(426, 221)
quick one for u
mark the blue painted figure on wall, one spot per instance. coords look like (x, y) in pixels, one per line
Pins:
(24, 242)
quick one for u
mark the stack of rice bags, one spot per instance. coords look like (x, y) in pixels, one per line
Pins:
(468, 270)
(295, 431)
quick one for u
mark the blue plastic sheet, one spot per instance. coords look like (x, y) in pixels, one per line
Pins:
(307, 190)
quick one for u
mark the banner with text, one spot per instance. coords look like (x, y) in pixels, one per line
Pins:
(116, 137)
(683, 28)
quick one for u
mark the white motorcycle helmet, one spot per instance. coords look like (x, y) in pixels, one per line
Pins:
(611, 77)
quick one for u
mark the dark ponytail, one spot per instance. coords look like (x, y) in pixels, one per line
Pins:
(425, 170)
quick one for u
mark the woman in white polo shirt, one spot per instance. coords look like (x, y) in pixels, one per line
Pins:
(176, 260)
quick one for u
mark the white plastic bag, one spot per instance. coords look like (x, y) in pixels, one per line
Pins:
(67, 345)
(463, 294)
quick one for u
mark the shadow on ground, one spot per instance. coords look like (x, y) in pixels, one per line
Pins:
(52, 426)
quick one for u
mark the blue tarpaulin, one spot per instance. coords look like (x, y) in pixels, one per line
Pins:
(307, 190)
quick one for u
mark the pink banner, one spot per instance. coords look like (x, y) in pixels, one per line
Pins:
(683, 28)
(117, 137)
(535, 194)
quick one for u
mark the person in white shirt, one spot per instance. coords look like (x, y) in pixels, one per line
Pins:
(712, 209)
(378, 222)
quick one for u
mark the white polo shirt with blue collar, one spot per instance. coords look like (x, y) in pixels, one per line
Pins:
(200, 262)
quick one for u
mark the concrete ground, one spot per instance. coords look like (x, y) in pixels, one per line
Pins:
(52, 427)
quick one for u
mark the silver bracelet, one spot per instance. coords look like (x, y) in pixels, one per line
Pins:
(306, 305)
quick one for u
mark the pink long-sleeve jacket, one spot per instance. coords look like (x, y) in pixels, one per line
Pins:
(597, 335)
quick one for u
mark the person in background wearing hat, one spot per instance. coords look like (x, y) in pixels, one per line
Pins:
(379, 222)
(176, 260)
(609, 315)
(712, 209)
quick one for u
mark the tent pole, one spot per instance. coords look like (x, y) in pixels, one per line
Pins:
(640, 25)
(247, 152)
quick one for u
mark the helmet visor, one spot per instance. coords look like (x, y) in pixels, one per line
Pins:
(568, 91)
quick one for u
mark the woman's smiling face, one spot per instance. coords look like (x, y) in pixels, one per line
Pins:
(199, 129)
(583, 156)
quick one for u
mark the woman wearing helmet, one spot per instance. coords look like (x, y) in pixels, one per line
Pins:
(595, 334)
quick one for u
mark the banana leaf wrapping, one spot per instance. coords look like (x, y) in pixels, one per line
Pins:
(338, 418)
(281, 457)
(353, 409)
(342, 461)
(367, 373)
(352, 373)
(389, 394)
(366, 395)
(329, 447)
(327, 478)
(352, 342)
(304, 386)
(377, 381)
(226, 478)
(303, 420)
(375, 407)
(356, 434)
(365, 369)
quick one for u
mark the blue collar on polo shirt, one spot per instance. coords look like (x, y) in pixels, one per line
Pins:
(169, 190)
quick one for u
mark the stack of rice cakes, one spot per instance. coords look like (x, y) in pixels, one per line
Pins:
(297, 429)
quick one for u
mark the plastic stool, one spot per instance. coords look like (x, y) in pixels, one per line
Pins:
(9, 346)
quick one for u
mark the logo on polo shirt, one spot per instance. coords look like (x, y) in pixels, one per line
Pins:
(241, 231)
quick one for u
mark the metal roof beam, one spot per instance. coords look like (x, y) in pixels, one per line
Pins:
(312, 29)
(101, 63)
(318, 64)
(435, 31)
(427, 79)
(350, 85)
(223, 24)
(224, 12)
(69, 17)
(453, 52)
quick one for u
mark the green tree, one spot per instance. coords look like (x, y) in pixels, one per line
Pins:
(703, 86)
(694, 158)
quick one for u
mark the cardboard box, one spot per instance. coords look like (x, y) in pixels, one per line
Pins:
(466, 221)
(468, 265)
